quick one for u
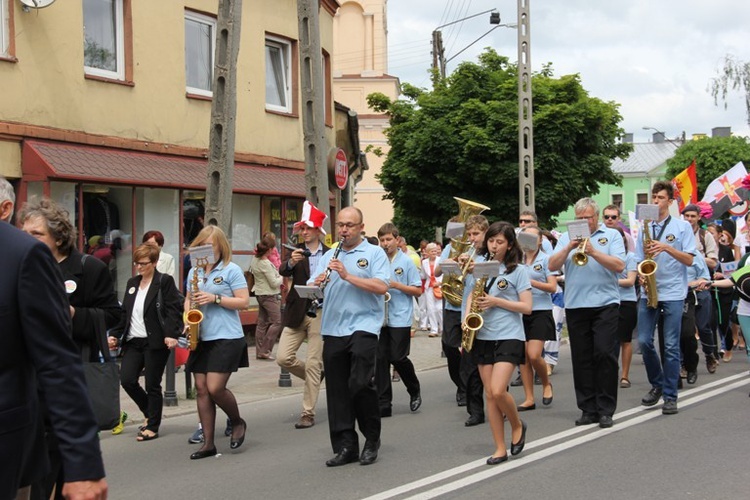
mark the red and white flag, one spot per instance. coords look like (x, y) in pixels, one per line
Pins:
(726, 191)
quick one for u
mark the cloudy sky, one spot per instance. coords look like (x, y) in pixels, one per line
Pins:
(655, 58)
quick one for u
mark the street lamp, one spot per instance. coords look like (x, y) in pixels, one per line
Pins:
(438, 51)
(676, 143)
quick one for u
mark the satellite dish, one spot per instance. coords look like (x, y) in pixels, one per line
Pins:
(37, 4)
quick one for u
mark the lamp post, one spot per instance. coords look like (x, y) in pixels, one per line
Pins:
(676, 143)
(438, 51)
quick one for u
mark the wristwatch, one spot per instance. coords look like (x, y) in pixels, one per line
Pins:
(217, 300)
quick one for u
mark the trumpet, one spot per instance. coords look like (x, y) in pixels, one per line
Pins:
(580, 258)
(315, 304)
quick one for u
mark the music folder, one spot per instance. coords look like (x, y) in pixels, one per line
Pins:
(490, 269)
(450, 267)
(309, 292)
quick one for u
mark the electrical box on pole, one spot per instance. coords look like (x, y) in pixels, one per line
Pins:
(525, 118)
(223, 116)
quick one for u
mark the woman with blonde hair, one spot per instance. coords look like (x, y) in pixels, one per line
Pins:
(222, 293)
(432, 283)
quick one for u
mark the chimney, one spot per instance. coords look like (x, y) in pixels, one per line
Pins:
(658, 137)
(627, 138)
(721, 132)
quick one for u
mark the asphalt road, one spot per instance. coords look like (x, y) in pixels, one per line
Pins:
(699, 453)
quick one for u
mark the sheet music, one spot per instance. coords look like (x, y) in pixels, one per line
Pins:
(309, 292)
(579, 230)
(490, 269)
(450, 267)
(647, 212)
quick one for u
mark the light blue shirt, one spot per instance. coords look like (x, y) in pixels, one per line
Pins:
(699, 269)
(444, 256)
(539, 271)
(346, 308)
(220, 323)
(627, 293)
(499, 323)
(671, 275)
(401, 305)
(547, 246)
(592, 285)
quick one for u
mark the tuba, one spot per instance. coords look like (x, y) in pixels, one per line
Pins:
(580, 258)
(647, 268)
(193, 316)
(453, 285)
(474, 320)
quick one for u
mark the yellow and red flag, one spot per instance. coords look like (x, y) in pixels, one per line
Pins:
(686, 187)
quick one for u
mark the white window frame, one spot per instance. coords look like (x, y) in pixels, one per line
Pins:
(4, 28)
(286, 54)
(211, 22)
(119, 74)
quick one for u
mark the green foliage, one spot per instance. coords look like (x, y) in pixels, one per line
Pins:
(461, 139)
(734, 75)
(713, 156)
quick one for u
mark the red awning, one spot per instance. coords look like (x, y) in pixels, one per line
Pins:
(54, 160)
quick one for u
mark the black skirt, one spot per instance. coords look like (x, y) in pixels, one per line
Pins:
(219, 356)
(539, 325)
(489, 352)
(628, 321)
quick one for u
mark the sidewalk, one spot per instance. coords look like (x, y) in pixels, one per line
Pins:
(261, 380)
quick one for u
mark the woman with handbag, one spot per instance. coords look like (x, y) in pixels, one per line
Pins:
(268, 293)
(433, 293)
(220, 292)
(147, 331)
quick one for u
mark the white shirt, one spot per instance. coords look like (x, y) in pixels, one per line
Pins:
(137, 325)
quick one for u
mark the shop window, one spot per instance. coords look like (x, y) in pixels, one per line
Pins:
(278, 75)
(246, 225)
(104, 38)
(158, 210)
(193, 211)
(292, 215)
(199, 53)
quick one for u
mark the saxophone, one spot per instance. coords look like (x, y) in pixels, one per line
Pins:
(193, 316)
(647, 268)
(474, 320)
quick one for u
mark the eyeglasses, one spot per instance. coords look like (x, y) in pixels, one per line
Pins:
(141, 264)
(348, 225)
(525, 221)
(611, 217)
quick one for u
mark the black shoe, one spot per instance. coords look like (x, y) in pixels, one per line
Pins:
(547, 401)
(236, 443)
(415, 402)
(605, 422)
(497, 460)
(203, 454)
(587, 419)
(386, 412)
(516, 448)
(343, 457)
(517, 382)
(652, 397)
(473, 420)
(228, 428)
(526, 408)
(369, 453)
(692, 377)
(669, 407)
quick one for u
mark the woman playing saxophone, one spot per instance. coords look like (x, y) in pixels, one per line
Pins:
(499, 344)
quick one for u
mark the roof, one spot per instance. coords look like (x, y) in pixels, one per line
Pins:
(120, 166)
(645, 157)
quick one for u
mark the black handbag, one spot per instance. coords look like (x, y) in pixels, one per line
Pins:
(102, 378)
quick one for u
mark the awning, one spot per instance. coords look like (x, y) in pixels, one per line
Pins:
(60, 161)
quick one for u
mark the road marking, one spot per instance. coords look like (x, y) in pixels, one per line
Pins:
(687, 398)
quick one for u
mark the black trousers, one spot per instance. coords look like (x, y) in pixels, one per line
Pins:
(593, 349)
(136, 355)
(452, 347)
(349, 363)
(393, 349)
(473, 384)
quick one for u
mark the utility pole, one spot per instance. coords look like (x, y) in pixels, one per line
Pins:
(438, 53)
(223, 116)
(525, 118)
(313, 85)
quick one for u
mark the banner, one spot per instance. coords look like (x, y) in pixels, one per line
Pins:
(726, 191)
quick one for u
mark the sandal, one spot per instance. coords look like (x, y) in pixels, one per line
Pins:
(142, 436)
(624, 383)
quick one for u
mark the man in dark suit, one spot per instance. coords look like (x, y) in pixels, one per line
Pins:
(38, 359)
(298, 326)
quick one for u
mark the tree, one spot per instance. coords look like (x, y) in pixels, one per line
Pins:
(461, 139)
(735, 75)
(713, 156)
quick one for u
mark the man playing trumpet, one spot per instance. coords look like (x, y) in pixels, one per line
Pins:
(672, 247)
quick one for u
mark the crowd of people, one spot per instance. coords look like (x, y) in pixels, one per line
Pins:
(359, 303)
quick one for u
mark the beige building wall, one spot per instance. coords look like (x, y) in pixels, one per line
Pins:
(46, 85)
(360, 67)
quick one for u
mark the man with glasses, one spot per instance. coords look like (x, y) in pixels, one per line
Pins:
(613, 218)
(592, 302)
(356, 281)
(528, 218)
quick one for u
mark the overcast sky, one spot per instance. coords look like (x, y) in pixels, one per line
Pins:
(655, 58)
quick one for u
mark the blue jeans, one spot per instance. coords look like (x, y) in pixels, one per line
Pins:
(666, 379)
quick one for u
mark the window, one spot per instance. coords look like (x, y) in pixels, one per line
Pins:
(200, 39)
(104, 38)
(617, 201)
(278, 71)
(641, 198)
(4, 29)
